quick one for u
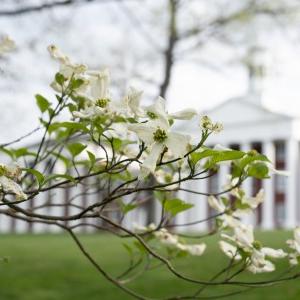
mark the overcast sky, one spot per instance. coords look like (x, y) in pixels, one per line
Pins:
(29, 70)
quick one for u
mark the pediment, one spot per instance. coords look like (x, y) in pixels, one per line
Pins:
(241, 111)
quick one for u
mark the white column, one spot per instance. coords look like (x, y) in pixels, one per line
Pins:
(183, 217)
(223, 177)
(268, 149)
(5, 222)
(56, 196)
(199, 211)
(292, 163)
(22, 226)
(247, 186)
(41, 200)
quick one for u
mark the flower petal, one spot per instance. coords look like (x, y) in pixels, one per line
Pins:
(216, 204)
(196, 250)
(274, 253)
(132, 101)
(9, 186)
(99, 85)
(150, 162)
(177, 143)
(144, 132)
(185, 114)
(230, 250)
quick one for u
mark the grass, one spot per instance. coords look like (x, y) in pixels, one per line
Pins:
(50, 267)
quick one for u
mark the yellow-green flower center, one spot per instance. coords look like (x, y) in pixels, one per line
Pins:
(151, 115)
(257, 245)
(102, 102)
(252, 152)
(160, 135)
(2, 170)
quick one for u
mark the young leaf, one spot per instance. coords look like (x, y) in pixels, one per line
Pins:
(38, 175)
(76, 148)
(22, 152)
(59, 176)
(175, 206)
(42, 103)
(76, 83)
(127, 207)
(91, 157)
(117, 144)
(258, 170)
(59, 78)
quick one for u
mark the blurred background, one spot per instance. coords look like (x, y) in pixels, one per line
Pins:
(195, 53)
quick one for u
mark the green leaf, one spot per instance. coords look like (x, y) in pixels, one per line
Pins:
(127, 207)
(128, 249)
(68, 125)
(76, 83)
(117, 144)
(38, 175)
(175, 206)
(76, 148)
(226, 155)
(42, 103)
(92, 157)
(258, 170)
(59, 176)
(60, 78)
(22, 152)
(140, 247)
(216, 156)
(7, 152)
(251, 158)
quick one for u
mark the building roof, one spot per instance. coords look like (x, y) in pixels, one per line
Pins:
(243, 111)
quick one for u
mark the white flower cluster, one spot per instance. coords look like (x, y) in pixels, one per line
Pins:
(294, 244)
(231, 218)
(172, 241)
(206, 123)
(9, 176)
(152, 124)
(241, 245)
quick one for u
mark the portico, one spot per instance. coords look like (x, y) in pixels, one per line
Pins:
(248, 125)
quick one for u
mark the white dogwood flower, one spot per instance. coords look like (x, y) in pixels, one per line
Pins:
(259, 262)
(158, 137)
(207, 124)
(230, 250)
(295, 245)
(273, 253)
(227, 217)
(265, 266)
(97, 96)
(9, 186)
(195, 250)
(157, 111)
(249, 203)
(172, 241)
(166, 237)
(131, 103)
(67, 67)
(8, 177)
(216, 204)
(257, 256)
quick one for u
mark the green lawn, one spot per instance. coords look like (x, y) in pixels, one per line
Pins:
(50, 267)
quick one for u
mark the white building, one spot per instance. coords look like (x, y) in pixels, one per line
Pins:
(249, 125)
